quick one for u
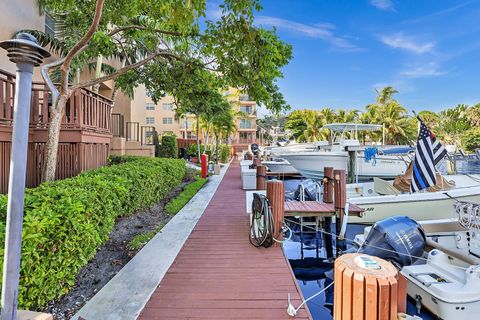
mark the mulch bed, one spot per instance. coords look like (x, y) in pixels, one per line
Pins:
(112, 256)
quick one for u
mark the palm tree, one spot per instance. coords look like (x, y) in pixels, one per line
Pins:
(223, 125)
(312, 131)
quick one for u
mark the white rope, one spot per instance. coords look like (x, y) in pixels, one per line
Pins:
(292, 311)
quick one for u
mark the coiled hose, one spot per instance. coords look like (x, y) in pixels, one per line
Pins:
(261, 226)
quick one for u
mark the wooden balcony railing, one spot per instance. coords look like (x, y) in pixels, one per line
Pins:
(85, 110)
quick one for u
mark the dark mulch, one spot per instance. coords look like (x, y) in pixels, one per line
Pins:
(112, 256)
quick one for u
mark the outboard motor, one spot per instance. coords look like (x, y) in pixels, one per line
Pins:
(397, 239)
(255, 149)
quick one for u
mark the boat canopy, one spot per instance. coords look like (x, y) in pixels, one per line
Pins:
(352, 127)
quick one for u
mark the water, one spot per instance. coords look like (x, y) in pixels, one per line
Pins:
(313, 273)
(463, 167)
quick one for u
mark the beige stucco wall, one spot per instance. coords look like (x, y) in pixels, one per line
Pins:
(16, 15)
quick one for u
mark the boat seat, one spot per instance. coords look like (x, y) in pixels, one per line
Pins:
(383, 187)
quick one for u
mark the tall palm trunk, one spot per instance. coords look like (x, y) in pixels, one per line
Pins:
(198, 138)
(216, 147)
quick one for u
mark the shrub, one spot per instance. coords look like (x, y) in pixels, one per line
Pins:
(175, 205)
(471, 139)
(192, 150)
(67, 220)
(168, 147)
(224, 153)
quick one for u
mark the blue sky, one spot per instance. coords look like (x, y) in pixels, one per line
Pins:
(429, 50)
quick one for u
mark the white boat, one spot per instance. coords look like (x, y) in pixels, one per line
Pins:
(310, 163)
(448, 284)
(446, 280)
(418, 206)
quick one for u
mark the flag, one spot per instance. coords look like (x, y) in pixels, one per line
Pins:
(428, 152)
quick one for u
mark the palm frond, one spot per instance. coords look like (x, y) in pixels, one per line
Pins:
(57, 46)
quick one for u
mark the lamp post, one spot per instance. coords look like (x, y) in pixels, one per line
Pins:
(25, 52)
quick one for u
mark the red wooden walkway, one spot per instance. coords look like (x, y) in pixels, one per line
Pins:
(218, 274)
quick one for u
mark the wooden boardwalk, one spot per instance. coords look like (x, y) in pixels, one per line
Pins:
(218, 274)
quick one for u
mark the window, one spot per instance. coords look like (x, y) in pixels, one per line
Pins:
(186, 124)
(167, 120)
(49, 25)
(245, 124)
(246, 137)
(168, 106)
(246, 109)
(150, 120)
(150, 106)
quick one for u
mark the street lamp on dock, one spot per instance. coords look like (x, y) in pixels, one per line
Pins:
(26, 53)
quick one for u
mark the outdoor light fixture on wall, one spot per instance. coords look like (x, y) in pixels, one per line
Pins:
(25, 52)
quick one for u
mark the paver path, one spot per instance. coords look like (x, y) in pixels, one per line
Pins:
(218, 274)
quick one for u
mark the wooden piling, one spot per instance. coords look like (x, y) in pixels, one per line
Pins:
(367, 294)
(261, 177)
(249, 156)
(256, 162)
(340, 198)
(352, 166)
(276, 196)
(328, 198)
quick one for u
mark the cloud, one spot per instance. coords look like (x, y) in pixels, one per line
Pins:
(430, 69)
(385, 5)
(322, 31)
(400, 41)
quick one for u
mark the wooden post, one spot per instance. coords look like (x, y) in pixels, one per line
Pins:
(256, 162)
(340, 198)
(364, 293)
(261, 177)
(276, 196)
(352, 166)
(249, 156)
(328, 198)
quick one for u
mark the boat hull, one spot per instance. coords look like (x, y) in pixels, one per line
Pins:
(311, 164)
(280, 167)
(422, 206)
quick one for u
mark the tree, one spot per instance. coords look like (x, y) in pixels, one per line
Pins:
(223, 124)
(471, 139)
(156, 32)
(453, 123)
(473, 113)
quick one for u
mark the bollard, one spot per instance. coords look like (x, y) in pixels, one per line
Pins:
(261, 178)
(363, 293)
(248, 156)
(328, 198)
(340, 198)
(25, 52)
(276, 197)
(204, 161)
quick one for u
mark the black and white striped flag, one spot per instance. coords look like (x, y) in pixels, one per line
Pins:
(428, 153)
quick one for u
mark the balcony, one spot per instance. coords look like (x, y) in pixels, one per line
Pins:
(85, 133)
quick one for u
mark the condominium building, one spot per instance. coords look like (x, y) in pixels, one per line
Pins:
(144, 116)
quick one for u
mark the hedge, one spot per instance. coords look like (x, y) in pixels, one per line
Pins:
(67, 220)
(169, 147)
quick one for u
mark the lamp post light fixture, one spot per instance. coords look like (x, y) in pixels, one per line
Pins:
(25, 52)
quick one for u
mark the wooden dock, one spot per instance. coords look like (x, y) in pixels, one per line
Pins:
(218, 274)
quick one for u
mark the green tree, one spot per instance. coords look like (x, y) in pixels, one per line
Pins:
(471, 139)
(163, 33)
(473, 114)
(453, 123)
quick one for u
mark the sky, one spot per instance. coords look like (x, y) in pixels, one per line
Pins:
(429, 50)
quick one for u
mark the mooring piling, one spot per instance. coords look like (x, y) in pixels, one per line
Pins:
(340, 199)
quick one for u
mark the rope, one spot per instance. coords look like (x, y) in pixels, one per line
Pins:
(292, 311)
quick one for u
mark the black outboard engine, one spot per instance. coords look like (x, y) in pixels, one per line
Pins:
(397, 239)
(254, 148)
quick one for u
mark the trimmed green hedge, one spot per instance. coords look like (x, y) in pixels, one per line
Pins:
(169, 147)
(67, 220)
(175, 205)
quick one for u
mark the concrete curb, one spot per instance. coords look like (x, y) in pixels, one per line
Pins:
(125, 295)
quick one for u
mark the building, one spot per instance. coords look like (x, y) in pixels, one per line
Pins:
(147, 116)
